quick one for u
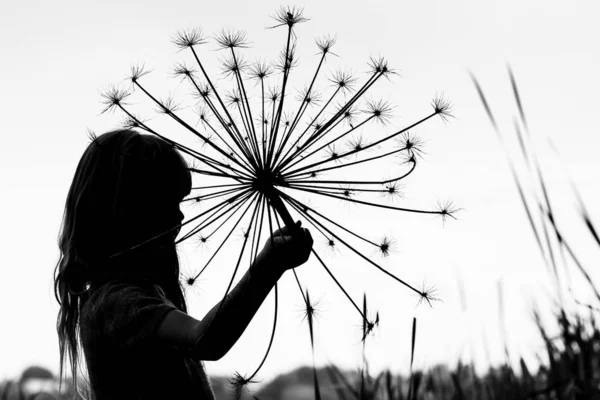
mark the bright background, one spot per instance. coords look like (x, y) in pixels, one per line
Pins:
(57, 57)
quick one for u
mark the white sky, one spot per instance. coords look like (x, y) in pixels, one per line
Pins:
(58, 57)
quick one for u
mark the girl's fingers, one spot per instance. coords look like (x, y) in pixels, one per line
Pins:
(282, 239)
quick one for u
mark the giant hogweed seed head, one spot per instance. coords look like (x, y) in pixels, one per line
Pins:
(189, 38)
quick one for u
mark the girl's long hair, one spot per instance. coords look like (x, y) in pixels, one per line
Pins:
(123, 187)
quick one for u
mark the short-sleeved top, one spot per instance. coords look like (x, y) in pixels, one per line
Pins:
(124, 358)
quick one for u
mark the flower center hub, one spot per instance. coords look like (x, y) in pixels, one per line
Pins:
(266, 180)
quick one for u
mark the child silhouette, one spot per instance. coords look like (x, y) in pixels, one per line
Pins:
(121, 302)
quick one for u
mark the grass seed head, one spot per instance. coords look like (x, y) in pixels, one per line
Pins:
(137, 71)
(309, 97)
(386, 246)
(273, 94)
(380, 110)
(325, 43)
(113, 97)
(289, 16)
(346, 191)
(260, 70)
(447, 210)
(180, 70)
(189, 38)
(379, 65)
(412, 144)
(169, 105)
(232, 66)
(333, 154)
(427, 294)
(287, 59)
(442, 107)
(229, 39)
(130, 122)
(356, 144)
(343, 80)
(233, 98)
(238, 382)
(201, 240)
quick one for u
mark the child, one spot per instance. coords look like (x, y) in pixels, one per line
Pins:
(128, 312)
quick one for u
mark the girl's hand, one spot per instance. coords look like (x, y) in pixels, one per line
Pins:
(289, 250)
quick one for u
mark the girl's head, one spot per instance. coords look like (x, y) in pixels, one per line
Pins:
(126, 190)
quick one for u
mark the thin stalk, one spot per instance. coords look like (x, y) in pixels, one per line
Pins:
(212, 218)
(236, 267)
(383, 182)
(272, 335)
(262, 123)
(226, 219)
(184, 149)
(295, 203)
(214, 194)
(190, 128)
(337, 189)
(352, 129)
(277, 118)
(179, 226)
(562, 241)
(203, 224)
(241, 87)
(220, 100)
(367, 85)
(327, 269)
(271, 131)
(246, 123)
(306, 129)
(333, 119)
(292, 176)
(296, 118)
(258, 230)
(243, 180)
(294, 124)
(366, 203)
(276, 217)
(312, 346)
(234, 134)
(226, 238)
(216, 186)
(412, 395)
(227, 144)
(369, 145)
(340, 226)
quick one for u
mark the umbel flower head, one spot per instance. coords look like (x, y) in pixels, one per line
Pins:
(265, 145)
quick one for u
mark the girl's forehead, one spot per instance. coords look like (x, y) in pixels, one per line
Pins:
(176, 184)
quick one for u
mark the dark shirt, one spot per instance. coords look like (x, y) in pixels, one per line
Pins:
(124, 358)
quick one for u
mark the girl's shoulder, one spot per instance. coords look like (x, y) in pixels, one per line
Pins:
(128, 313)
(117, 292)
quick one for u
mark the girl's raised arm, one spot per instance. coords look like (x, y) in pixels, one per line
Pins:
(213, 336)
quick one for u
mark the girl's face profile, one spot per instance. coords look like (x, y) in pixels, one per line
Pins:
(156, 199)
(162, 213)
(176, 216)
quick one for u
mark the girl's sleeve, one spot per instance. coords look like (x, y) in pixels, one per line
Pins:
(131, 314)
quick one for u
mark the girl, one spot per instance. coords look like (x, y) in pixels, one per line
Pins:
(128, 312)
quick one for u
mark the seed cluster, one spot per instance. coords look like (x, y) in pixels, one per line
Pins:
(266, 149)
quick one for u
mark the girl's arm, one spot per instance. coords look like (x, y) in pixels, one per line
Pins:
(213, 336)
